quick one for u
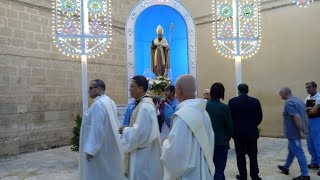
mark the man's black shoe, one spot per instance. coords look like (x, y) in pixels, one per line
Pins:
(257, 178)
(239, 177)
(283, 170)
(302, 178)
(312, 166)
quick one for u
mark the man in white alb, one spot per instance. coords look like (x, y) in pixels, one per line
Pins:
(140, 140)
(187, 153)
(100, 153)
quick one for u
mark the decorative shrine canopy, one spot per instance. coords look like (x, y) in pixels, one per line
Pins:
(82, 27)
(236, 27)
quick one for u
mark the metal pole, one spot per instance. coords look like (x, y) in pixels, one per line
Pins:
(84, 84)
(236, 30)
(85, 31)
(238, 72)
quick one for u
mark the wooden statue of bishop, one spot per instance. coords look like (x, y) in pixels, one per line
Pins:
(160, 54)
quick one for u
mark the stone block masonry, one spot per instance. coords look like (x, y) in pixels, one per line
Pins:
(40, 89)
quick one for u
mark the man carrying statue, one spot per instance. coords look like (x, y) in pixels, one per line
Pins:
(160, 54)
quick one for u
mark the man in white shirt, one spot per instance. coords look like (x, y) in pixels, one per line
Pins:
(187, 153)
(312, 105)
(100, 152)
(140, 140)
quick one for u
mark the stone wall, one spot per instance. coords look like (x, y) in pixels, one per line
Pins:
(288, 56)
(40, 89)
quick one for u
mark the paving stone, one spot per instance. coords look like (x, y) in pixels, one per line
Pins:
(62, 163)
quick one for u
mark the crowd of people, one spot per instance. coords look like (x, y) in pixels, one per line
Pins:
(184, 137)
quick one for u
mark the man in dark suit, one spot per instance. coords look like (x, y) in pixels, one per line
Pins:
(246, 115)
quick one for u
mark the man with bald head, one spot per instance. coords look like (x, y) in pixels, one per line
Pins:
(187, 153)
(295, 129)
(206, 94)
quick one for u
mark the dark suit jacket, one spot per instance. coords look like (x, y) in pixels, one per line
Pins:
(246, 114)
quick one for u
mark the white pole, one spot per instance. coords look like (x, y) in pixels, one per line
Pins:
(84, 60)
(238, 71)
(236, 22)
(84, 84)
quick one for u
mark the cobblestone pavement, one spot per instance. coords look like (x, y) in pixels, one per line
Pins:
(61, 163)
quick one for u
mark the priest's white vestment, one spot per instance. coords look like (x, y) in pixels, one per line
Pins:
(99, 137)
(142, 142)
(183, 157)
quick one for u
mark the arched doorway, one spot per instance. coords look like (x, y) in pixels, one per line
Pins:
(141, 30)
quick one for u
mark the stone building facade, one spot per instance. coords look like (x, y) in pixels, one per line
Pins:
(40, 89)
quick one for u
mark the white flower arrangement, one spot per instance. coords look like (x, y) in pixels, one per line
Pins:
(158, 85)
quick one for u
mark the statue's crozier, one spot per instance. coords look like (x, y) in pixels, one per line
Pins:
(160, 54)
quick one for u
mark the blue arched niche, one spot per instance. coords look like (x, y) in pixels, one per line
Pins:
(145, 32)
